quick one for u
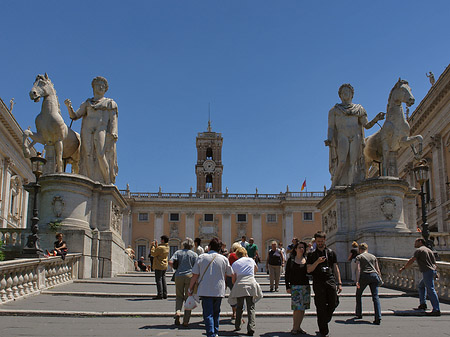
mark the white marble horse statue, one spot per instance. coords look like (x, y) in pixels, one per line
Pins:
(395, 132)
(62, 144)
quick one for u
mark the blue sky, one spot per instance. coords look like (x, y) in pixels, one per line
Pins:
(270, 69)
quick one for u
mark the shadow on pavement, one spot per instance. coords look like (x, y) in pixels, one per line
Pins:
(409, 312)
(352, 321)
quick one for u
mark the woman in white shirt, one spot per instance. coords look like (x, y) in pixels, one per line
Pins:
(245, 288)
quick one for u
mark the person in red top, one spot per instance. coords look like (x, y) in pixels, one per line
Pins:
(232, 257)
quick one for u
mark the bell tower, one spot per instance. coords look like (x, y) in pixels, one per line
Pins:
(209, 166)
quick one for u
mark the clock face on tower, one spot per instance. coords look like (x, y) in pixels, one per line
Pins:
(209, 165)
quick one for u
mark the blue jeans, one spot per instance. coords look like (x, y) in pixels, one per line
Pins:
(370, 280)
(426, 286)
(211, 313)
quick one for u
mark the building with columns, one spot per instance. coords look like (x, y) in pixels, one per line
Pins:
(431, 119)
(209, 212)
(15, 171)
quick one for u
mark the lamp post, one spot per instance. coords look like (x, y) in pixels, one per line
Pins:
(32, 247)
(421, 176)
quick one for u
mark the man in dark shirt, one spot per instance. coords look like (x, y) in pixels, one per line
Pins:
(427, 266)
(322, 264)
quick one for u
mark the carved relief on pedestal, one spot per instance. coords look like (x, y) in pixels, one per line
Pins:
(329, 221)
(388, 207)
(116, 218)
(58, 206)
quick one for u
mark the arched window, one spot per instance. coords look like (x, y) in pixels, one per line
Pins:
(209, 153)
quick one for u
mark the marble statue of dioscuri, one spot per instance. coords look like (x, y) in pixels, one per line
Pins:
(61, 142)
(99, 134)
(346, 123)
(395, 131)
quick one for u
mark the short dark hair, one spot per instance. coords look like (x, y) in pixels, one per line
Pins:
(164, 238)
(320, 234)
(244, 237)
(422, 241)
(215, 244)
(198, 241)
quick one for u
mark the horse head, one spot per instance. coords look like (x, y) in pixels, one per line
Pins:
(401, 93)
(42, 87)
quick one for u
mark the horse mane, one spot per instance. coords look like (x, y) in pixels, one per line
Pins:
(47, 80)
(397, 85)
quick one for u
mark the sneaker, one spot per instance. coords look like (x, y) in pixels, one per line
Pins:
(377, 322)
(421, 307)
(434, 313)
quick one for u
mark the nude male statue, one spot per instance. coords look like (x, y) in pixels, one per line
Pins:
(98, 133)
(346, 123)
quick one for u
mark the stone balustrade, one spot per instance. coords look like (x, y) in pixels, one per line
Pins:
(221, 196)
(409, 279)
(11, 237)
(441, 240)
(23, 277)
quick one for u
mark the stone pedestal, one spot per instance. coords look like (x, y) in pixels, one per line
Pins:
(91, 217)
(378, 211)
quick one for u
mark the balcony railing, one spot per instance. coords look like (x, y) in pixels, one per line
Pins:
(223, 196)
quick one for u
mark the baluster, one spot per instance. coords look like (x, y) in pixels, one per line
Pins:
(3, 284)
(30, 281)
(53, 276)
(15, 283)
(66, 273)
(9, 283)
(35, 280)
(58, 274)
(25, 283)
(47, 277)
(20, 283)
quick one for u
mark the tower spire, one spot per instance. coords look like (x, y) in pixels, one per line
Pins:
(209, 117)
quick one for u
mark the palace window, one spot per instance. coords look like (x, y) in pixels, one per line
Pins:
(307, 216)
(271, 218)
(174, 217)
(208, 217)
(242, 217)
(143, 217)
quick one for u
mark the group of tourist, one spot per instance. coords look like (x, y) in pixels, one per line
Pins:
(206, 273)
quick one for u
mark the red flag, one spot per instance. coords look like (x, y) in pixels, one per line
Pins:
(303, 185)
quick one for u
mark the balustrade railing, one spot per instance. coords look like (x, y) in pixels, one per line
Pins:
(11, 237)
(441, 240)
(221, 196)
(23, 277)
(409, 279)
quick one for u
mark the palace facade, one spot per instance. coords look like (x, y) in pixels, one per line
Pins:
(209, 212)
(431, 119)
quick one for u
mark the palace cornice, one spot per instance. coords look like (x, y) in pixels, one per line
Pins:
(431, 100)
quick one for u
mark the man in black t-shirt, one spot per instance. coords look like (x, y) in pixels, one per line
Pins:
(322, 264)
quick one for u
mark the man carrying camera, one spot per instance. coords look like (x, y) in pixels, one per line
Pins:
(322, 264)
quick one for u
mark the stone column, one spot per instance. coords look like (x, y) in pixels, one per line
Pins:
(226, 229)
(159, 225)
(190, 225)
(288, 228)
(257, 230)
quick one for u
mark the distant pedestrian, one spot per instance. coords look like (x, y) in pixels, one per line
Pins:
(274, 263)
(184, 259)
(198, 246)
(252, 250)
(352, 259)
(60, 247)
(160, 263)
(322, 264)
(224, 250)
(244, 242)
(210, 271)
(367, 274)
(290, 247)
(140, 265)
(297, 284)
(427, 266)
(245, 289)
